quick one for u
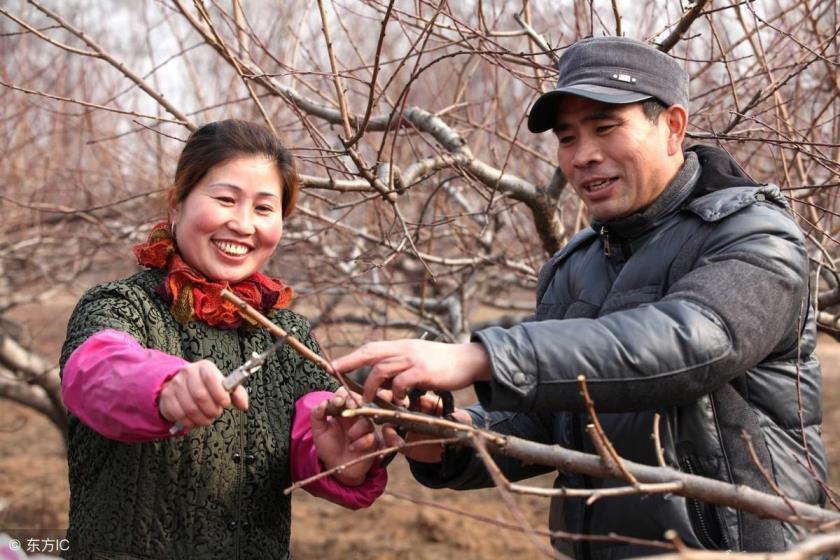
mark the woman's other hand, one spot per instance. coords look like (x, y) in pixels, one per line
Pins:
(195, 396)
(341, 440)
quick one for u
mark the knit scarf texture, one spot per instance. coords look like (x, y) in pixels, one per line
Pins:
(193, 297)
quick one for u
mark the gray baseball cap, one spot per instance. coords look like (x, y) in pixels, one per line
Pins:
(611, 70)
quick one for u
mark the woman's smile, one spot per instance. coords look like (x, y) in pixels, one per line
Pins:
(232, 248)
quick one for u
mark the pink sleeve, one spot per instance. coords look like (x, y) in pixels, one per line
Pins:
(111, 383)
(305, 463)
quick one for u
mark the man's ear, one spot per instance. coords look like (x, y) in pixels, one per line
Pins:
(676, 119)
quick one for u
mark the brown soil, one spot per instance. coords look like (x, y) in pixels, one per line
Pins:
(33, 487)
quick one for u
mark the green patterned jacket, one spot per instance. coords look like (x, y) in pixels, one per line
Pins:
(216, 493)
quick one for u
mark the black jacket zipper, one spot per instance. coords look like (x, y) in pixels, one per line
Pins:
(607, 243)
(605, 239)
(697, 515)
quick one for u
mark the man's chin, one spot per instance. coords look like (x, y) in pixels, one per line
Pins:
(607, 214)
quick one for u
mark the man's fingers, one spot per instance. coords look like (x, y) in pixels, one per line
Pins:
(364, 355)
(382, 373)
(404, 382)
(368, 354)
(391, 437)
(431, 404)
(425, 453)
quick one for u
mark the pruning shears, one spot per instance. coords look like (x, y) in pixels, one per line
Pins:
(238, 376)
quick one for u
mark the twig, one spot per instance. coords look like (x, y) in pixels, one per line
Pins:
(339, 87)
(202, 11)
(612, 537)
(611, 458)
(373, 180)
(685, 22)
(657, 441)
(446, 261)
(811, 547)
(594, 495)
(91, 105)
(675, 539)
(46, 37)
(418, 422)
(617, 16)
(536, 37)
(766, 475)
(376, 67)
(119, 65)
(245, 309)
(381, 453)
(502, 486)
(803, 312)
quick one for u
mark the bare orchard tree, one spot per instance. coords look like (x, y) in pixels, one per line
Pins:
(427, 207)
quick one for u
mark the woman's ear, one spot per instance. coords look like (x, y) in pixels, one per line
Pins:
(676, 119)
(174, 211)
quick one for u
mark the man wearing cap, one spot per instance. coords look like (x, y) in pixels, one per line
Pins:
(688, 297)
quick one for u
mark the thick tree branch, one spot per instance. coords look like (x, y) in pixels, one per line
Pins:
(709, 490)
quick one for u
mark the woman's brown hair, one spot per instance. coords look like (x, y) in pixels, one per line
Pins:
(217, 142)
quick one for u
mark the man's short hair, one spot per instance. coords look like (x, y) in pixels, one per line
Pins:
(614, 70)
(652, 108)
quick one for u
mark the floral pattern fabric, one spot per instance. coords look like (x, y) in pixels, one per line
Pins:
(216, 493)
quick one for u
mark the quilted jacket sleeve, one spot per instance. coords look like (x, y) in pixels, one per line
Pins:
(739, 303)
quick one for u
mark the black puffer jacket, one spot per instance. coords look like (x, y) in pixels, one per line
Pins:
(696, 308)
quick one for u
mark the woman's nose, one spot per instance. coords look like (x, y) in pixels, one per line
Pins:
(242, 222)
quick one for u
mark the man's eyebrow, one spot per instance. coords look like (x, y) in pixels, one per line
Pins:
(600, 115)
(594, 116)
(238, 188)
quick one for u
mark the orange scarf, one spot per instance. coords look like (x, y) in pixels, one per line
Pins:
(191, 296)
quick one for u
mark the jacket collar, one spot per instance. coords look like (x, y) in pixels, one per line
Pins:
(670, 201)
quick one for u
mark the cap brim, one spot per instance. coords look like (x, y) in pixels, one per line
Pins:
(543, 114)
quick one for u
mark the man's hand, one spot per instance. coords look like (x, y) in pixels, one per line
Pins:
(341, 440)
(432, 453)
(195, 396)
(422, 364)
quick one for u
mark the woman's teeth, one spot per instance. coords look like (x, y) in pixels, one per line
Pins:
(234, 249)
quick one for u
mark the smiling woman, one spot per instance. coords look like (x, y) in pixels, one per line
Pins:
(146, 353)
(232, 220)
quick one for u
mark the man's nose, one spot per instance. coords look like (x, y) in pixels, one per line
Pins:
(587, 152)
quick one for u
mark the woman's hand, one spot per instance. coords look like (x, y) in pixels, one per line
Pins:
(421, 364)
(341, 440)
(195, 396)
